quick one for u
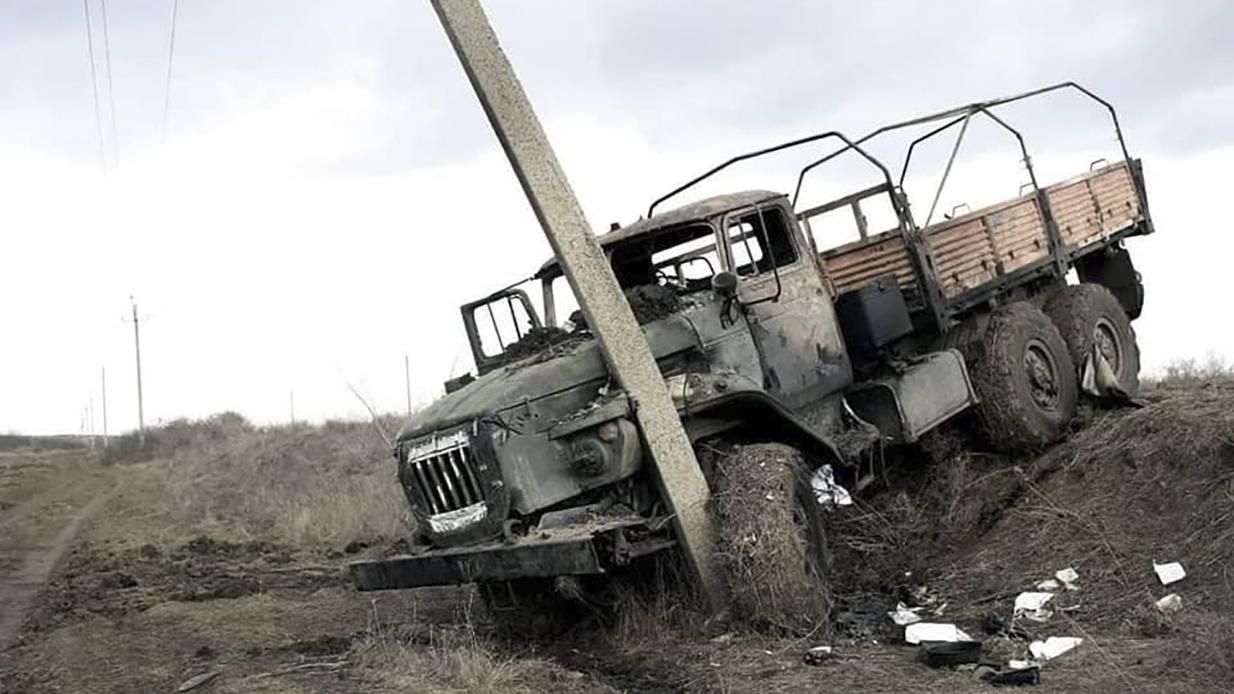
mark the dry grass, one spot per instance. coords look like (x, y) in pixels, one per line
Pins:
(305, 486)
(458, 659)
(1134, 486)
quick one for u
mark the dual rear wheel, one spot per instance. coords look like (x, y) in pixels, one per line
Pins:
(1026, 366)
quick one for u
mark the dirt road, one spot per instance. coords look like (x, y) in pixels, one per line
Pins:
(46, 498)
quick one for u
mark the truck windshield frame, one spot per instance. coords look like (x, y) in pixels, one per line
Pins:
(495, 308)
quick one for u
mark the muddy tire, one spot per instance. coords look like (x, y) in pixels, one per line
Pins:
(1023, 374)
(772, 539)
(1088, 313)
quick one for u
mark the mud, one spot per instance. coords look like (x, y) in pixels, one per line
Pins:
(98, 581)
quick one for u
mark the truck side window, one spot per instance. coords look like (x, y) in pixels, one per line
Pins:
(750, 233)
(685, 257)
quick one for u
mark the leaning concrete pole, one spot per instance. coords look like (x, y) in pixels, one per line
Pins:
(600, 298)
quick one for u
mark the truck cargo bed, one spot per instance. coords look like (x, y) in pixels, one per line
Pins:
(982, 247)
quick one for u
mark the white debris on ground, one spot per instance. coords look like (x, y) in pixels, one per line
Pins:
(1031, 605)
(817, 655)
(1053, 647)
(903, 616)
(1170, 603)
(1068, 577)
(934, 632)
(1172, 572)
(827, 491)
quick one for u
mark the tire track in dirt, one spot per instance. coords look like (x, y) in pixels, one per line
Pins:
(35, 560)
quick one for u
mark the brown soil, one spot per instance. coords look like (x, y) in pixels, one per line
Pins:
(129, 608)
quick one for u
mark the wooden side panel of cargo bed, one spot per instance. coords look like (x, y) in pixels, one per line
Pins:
(1094, 206)
(855, 264)
(973, 249)
(963, 254)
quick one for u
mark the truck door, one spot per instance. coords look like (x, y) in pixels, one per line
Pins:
(789, 311)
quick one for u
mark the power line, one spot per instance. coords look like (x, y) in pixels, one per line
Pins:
(171, 54)
(94, 83)
(111, 94)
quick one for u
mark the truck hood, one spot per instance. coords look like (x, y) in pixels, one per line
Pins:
(552, 371)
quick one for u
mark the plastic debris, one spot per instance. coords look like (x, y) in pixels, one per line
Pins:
(1170, 603)
(904, 616)
(1049, 585)
(1053, 647)
(1016, 677)
(1068, 578)
(818, 655)
(935, 632)
(950, 654)
(1032, 605)
(1019, 664)
(1169, 573)
(827, 491)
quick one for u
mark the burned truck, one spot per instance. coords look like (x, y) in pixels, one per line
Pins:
(534, 468)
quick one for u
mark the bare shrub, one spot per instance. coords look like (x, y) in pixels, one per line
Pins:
(1190, 372)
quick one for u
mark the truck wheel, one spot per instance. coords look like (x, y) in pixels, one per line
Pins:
(1025, 379)
(1088, 313)
(772, 540)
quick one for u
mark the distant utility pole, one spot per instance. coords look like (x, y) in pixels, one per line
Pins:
(105, 439)
(605, 307)
(291, 401)
(141, 416)
(90, 419)
(407, 380)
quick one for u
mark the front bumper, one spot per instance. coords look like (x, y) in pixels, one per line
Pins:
(586, 548)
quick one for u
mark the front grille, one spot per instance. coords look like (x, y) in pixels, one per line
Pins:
(442, 470)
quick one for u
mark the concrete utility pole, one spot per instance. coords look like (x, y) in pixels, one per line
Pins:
(141, 417)
(587, 269)
(407, 380)
(105, 439)
(291, 401)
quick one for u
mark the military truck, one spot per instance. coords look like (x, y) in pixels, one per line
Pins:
(534, 468)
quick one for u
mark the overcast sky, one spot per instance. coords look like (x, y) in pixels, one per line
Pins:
(328, 191)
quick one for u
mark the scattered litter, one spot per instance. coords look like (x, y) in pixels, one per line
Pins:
(1032, 605)
(198, 680)
(931, 631)
(1053, 647)
(723, 638)
(1049, 585)
(1169, 573)
(949, 654)
(1170, 603)
(1068, 578)
(904, 616)
(1016, 677)
(994, 624)
(818, 655)
(827, 491)
(1020, 664)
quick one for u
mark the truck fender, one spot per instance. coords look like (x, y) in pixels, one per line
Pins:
(736, 398)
